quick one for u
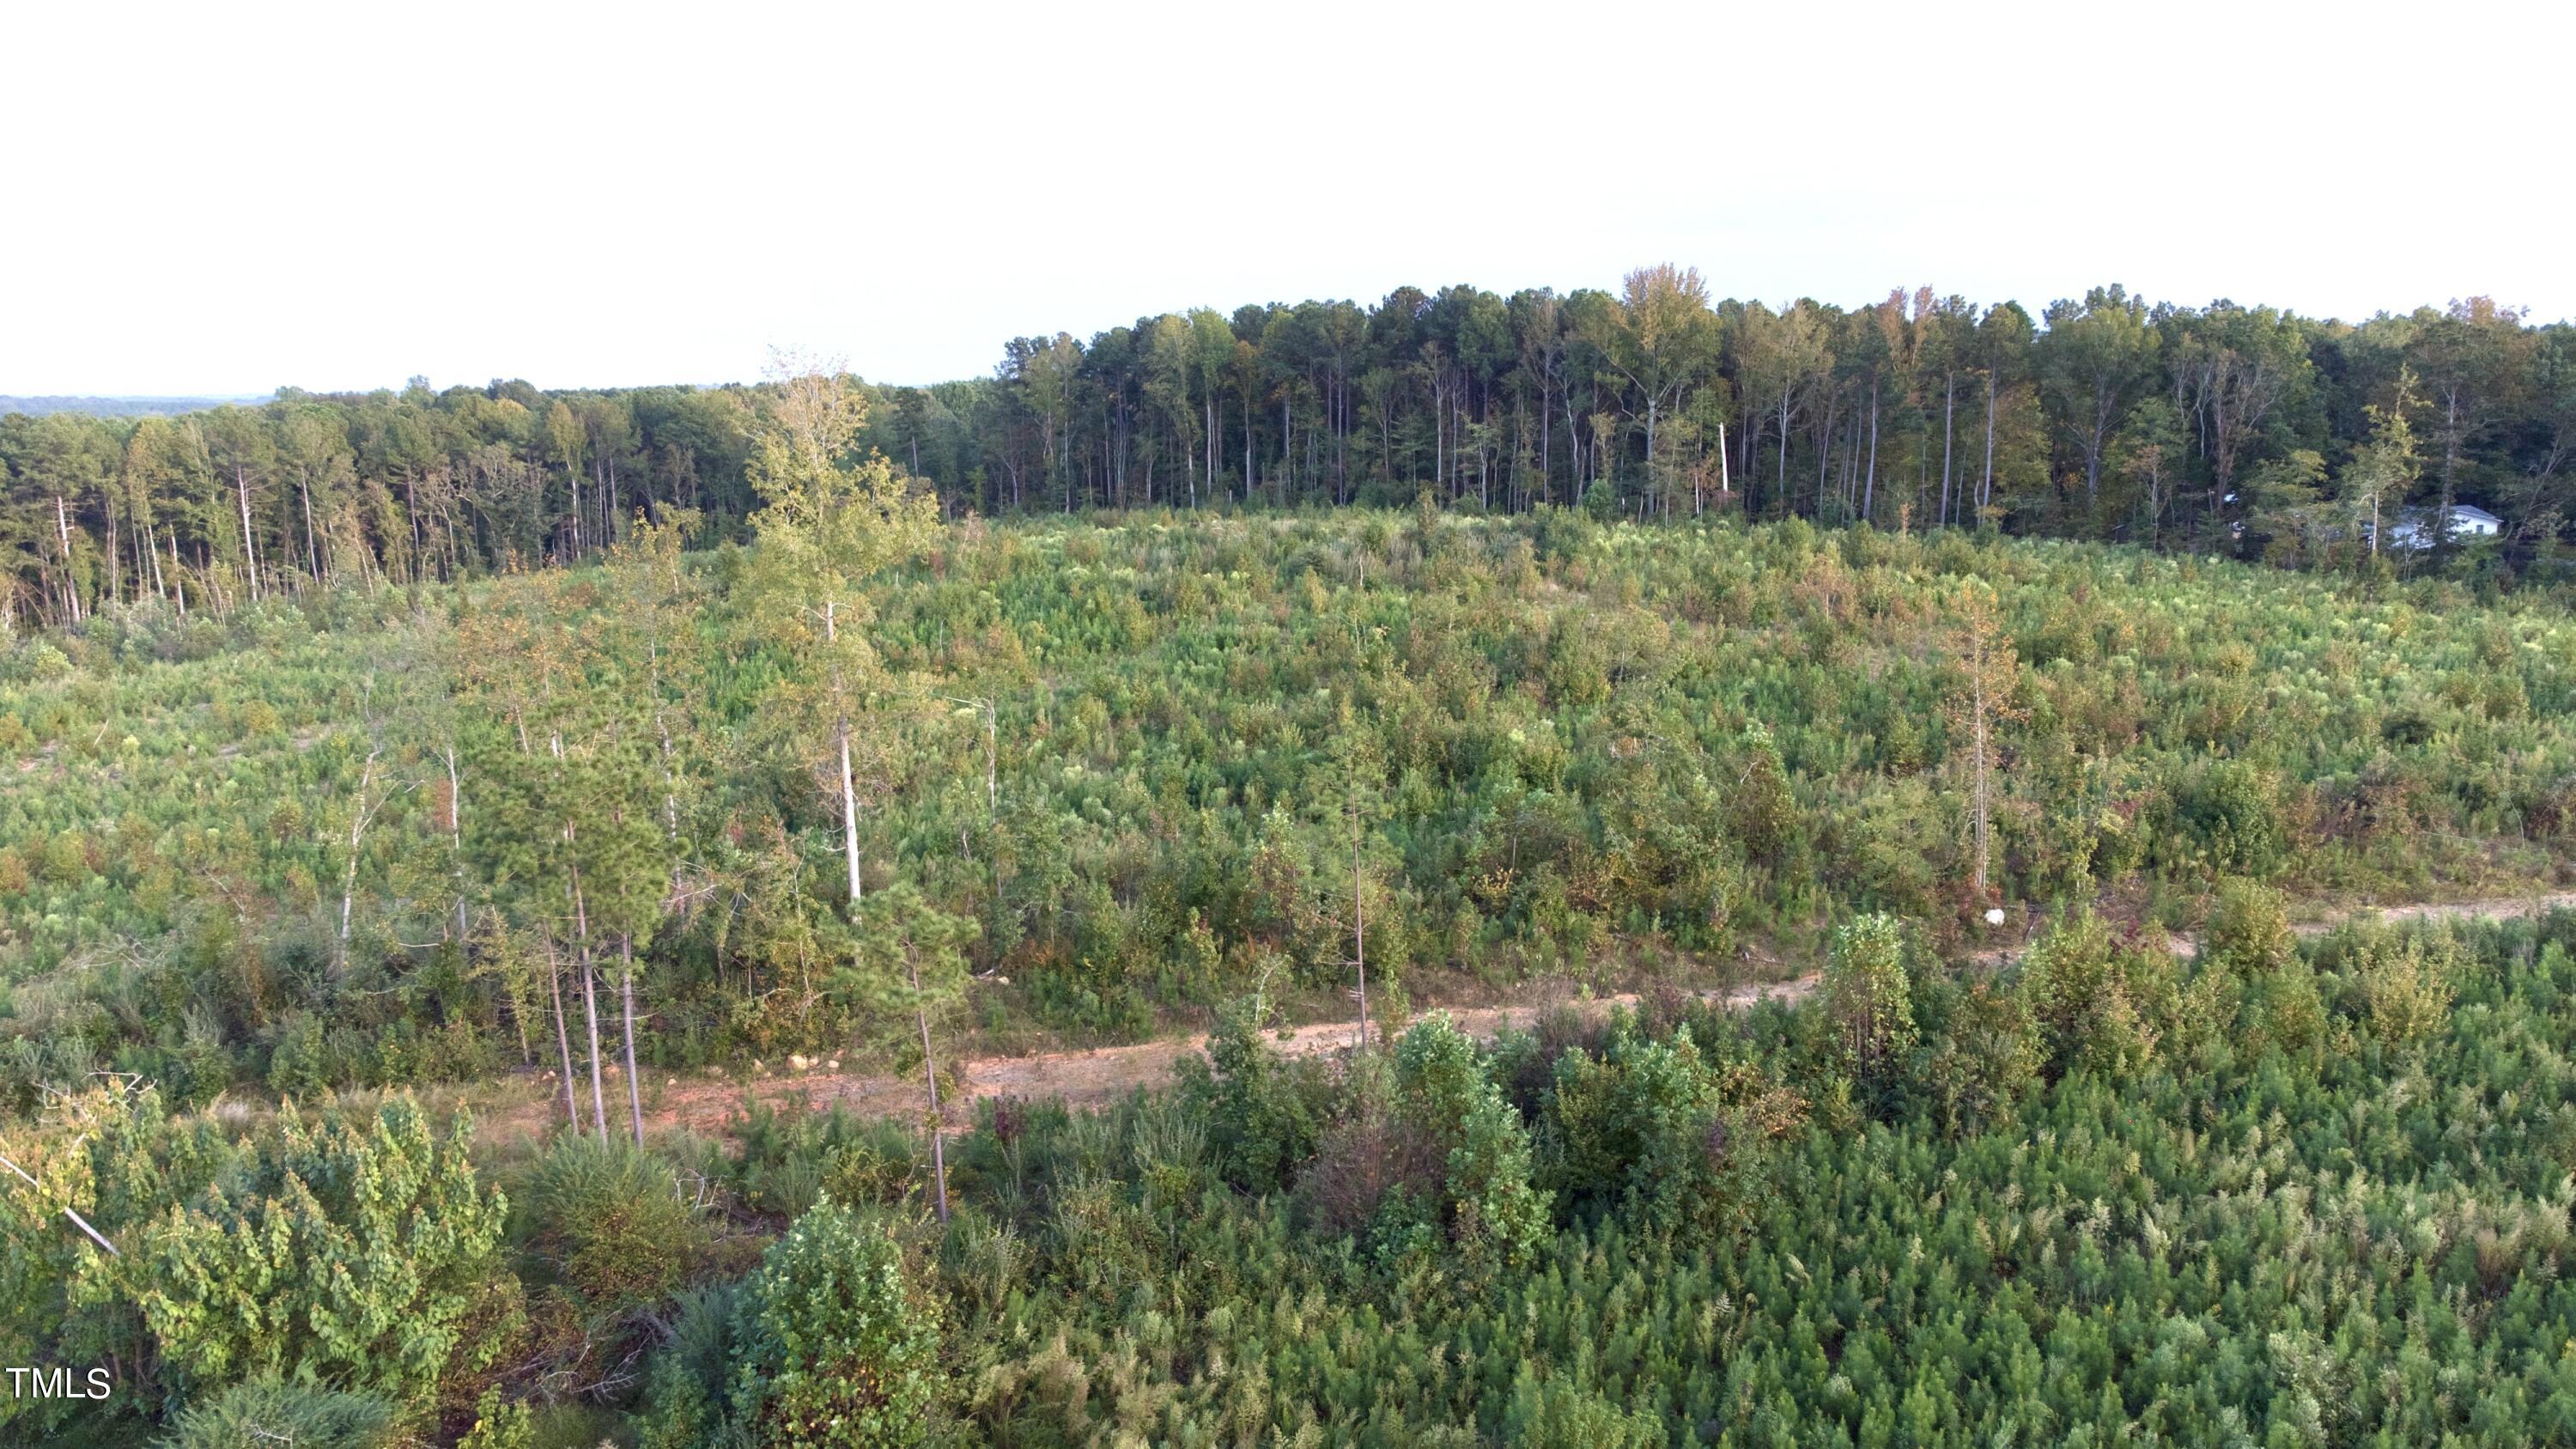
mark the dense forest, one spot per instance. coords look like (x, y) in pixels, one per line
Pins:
(705, 730)
(2231, 429)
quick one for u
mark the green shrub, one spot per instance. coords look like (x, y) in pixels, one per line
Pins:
(499, 1425)
(684, 1390)
(1644, 1130)
(1984, 1057)
(1262, 1119)
(299, 1064)
(2098, 1006)
(265, 1413)
(2405, 986)
(1550, 1413)
(2228, 813)
(350, 1253)
(1762, 813)
(1869, 996)
(837, 1346)
(1444, 1092)
(2250, 932)
(611, 1216)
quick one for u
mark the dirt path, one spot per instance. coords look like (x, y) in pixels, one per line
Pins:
(1102, 1075)
(2494, 910)
(2500, 908)
(1093, 1078)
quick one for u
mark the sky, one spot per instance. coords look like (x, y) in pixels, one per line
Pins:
(219, 199)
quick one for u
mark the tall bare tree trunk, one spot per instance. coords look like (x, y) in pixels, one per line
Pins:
(1825, 449)
(2450, 463)
(1984, 758)
(626, 990)
(590, 1007)
(590, 1017)
(1869, 483)
(563, 1036)
(312, 547)
(1986, 486)
(1949, 409)
(930, 1076)
(841, 739)
(71, 587)
(456, 835)
(1359, 927)
(1783, 481)
(357, 834)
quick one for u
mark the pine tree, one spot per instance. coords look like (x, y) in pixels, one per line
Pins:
(827, 524)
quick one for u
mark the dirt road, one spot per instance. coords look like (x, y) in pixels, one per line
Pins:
(2502, 908)
(1091, 1078)
(1103, 1075)
(2495, 910)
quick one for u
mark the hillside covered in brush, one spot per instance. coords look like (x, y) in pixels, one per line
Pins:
(1130, 765)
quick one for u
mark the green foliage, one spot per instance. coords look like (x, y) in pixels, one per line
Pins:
(1643, 1133)
(262, 1413)
(910, 958)
(499, 1424)
(613, 1219)
(2285, 1011)
(2099, 1007)
(1869, 996)
(1262, 1114)
(1961, 1266)
(1571, 747)
(1443, 1093)
(2249, 933)
(685, 1390)
(2306, 1195)
(2405, 987)
(1761, 811)
(349, 1252)
(838, 1347)
(1558, 1415)
(1984, 1058)
(2227, 813)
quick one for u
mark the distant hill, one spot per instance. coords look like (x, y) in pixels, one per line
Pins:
(118, 407)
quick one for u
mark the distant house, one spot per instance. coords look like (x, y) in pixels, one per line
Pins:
(2414, 526)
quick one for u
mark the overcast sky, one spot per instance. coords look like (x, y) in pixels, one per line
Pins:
(221, 199)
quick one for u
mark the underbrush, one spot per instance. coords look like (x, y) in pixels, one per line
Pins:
(2298, 1192)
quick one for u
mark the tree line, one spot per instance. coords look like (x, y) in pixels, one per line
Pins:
(2247, 430)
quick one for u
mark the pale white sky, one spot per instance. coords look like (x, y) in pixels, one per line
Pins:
(214, 199)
